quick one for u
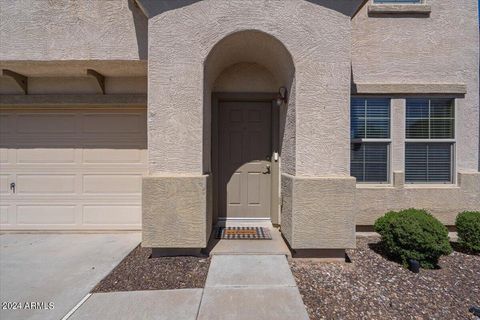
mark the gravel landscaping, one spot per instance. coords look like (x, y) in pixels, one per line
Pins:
(372, 287)
(138, 271)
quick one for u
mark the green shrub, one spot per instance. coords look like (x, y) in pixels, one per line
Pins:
(413, 234)
(468, 230)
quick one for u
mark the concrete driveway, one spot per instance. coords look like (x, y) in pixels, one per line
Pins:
(48, 274)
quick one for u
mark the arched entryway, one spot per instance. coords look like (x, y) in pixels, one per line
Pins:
(244, 128)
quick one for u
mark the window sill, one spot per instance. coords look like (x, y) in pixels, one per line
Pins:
(374, 186)
(399, 9)
(430, 186)
(455, 89)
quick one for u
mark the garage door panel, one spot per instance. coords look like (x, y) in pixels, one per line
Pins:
(7, 123)
(46, 214)
(113, 156)
(112, 183)
(112, 214)
(4, 214)
(45, 155)
(45, 184)
(73, 168)
(4, 184)
(112, 123)
(4, 155)
(39, 123)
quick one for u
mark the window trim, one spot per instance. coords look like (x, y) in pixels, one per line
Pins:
(387, 141)
(451, 141)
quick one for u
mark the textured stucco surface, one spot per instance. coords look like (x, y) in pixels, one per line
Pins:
(316, 35)
(319, 212)
(423, 55)
(175, 212)
(246, 77)
(438, 49)
(72, 30)
(444, 202)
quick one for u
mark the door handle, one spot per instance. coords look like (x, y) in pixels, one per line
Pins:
(268, 170)
(12, 186)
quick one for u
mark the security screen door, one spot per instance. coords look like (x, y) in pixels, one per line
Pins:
(245, 148)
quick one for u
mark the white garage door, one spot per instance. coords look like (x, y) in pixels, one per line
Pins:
(72, 168)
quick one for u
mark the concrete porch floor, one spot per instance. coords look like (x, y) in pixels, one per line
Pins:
(275, 246)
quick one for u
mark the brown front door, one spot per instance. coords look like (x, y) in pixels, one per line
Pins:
(245, 148)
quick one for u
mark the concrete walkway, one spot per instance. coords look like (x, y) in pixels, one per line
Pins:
(237, 287)
(251, 287)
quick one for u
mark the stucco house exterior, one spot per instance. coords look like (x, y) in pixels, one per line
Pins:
(173, 116)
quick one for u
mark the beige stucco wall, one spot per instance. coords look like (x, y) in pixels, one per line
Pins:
(175, 211)
(302, 44)
(444, 202)
(422, 51)
(72, 30)
(318, 212)
(315, 33)
(246, 77)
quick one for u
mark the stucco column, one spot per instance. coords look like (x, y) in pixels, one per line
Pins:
(317, 37)
(175, 202)
(318, 200)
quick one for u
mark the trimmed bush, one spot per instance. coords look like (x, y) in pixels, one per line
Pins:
(468, 230)
(413, 234)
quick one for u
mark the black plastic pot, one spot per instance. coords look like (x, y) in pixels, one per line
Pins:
(414, 266)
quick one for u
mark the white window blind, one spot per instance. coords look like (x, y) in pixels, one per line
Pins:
(428, 162)
(369, 162)
(370, 135)
(430, 119)
(430, 133)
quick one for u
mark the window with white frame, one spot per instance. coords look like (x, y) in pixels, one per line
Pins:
(430, 140)
(370, 139)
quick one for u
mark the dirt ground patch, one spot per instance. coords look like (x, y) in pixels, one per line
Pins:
(138, 271)
(373, 287)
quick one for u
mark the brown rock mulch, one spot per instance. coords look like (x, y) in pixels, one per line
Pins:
(137, 271)
(372, 287)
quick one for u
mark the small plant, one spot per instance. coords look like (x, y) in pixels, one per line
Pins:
(468, 230)
(413, 234)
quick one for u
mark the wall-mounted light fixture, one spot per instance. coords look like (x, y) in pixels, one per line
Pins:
(282, 96)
